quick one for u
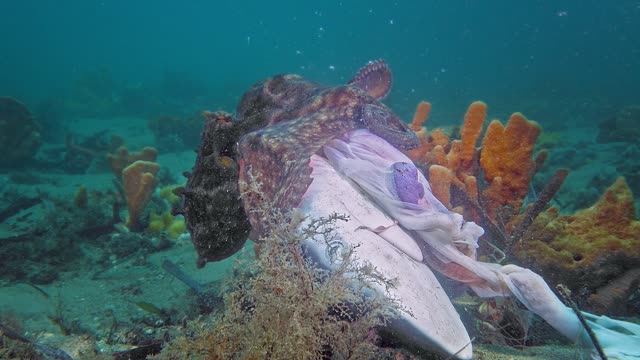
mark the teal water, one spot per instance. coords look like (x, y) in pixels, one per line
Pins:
(449, 53)
(80, 78)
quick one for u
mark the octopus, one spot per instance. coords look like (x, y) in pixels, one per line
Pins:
(301, 116)
(281, 122)
(327, 150)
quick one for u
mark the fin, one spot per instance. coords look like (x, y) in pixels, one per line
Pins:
(374, 78)
(277, 157)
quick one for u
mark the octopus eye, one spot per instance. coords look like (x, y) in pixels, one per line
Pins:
(396, 124)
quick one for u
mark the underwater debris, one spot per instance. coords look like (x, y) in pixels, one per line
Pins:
(19, 133)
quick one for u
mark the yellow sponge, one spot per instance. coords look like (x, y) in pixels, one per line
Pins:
(174, 226)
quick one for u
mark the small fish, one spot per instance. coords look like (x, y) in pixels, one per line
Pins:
(149, 307)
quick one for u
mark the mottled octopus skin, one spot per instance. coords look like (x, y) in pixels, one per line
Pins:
(211, 206)
(281, 122)
(301, 116)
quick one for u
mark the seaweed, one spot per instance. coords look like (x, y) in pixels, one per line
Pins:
(282, 305)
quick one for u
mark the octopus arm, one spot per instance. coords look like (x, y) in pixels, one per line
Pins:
(276, 160)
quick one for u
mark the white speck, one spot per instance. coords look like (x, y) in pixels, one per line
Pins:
(561, 13)
(331, 67)
(370, 11)
(391, 22)
(321, 29)
(248, 40)
(298, 52)
(443, 70)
